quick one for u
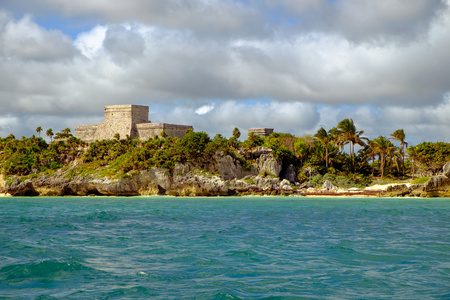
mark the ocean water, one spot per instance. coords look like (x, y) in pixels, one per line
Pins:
(224, 248)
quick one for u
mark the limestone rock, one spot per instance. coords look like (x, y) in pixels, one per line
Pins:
(197, 184)
(290, 174)
(398, 190)
(228, 169)
(267, 163)
(439, 182)
(2, 184)
(261, 150)
(329, 186)
(446, 170)
(306, 185)
(21, 188)
(310, 172)
(285, 185)
(181, 169)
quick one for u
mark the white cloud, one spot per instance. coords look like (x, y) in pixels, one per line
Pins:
(25, 40)
(204, 109)
(89, 43)
(354, 61)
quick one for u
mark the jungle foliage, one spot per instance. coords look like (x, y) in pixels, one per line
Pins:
(325, 152)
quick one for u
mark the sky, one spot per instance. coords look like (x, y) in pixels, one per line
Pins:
(291, 65)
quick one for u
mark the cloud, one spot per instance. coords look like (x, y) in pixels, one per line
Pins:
(361, 20)
(204, 17)
(24, 40)
(295, 118)
(88, 43)
(204, 109)
(290, 65)
(123, 44)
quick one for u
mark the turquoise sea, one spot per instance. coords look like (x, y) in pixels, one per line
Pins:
(224, 248)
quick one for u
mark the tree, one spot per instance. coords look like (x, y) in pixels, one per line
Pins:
(429, 156)
(50, 134)
(192, 145)
(399, 135)
(39, 130)
(64, 134)
(117, 136)
(384, 148)
(349, 135)
(323, 136)
(236, 133)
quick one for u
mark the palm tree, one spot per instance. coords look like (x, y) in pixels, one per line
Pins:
(50, 134)
(323, 136)
(349, 135)
(399, 135)
(384, 148)
(39, 130)
(368, 154)
(236, 133)
(412, 153)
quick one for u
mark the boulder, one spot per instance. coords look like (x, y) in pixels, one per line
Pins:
(306, 185)
(228, 169)
(329, 186)
(310, 172)
(285, 185)
(290, 174)
(446, 170)
(21, 188)
(398, 190)
(439, 182)
(267, 163)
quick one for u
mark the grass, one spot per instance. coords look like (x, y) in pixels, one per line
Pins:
(420, 180)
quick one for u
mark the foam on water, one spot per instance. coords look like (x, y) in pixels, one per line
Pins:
(224, 248)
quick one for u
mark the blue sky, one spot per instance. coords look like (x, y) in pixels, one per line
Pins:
(294, 65)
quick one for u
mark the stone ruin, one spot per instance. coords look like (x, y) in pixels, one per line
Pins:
(127, 120)
(262, 132)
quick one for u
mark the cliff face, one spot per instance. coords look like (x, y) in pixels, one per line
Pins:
(185, 180)
(225, 176)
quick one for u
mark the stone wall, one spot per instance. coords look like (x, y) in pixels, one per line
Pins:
(262, 132)
(149, 130)
(86, 133)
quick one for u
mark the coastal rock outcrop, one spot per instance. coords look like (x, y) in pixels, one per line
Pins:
(267, 163)
(398, 190)
(446, 170)
(290, 174)
(310, 172)
(329, 186)
(187, 181)
(228, 169)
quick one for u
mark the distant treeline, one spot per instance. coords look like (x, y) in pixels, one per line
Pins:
(328, 152)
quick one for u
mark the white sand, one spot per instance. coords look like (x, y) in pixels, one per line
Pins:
(383, 187)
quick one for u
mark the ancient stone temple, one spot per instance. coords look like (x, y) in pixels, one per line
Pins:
(127, 120)
(262, 132)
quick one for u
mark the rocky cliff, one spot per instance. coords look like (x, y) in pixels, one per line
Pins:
(184, 180)
(225, 177)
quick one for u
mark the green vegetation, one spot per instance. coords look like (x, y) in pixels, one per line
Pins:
(373, 161)
(420, 180)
